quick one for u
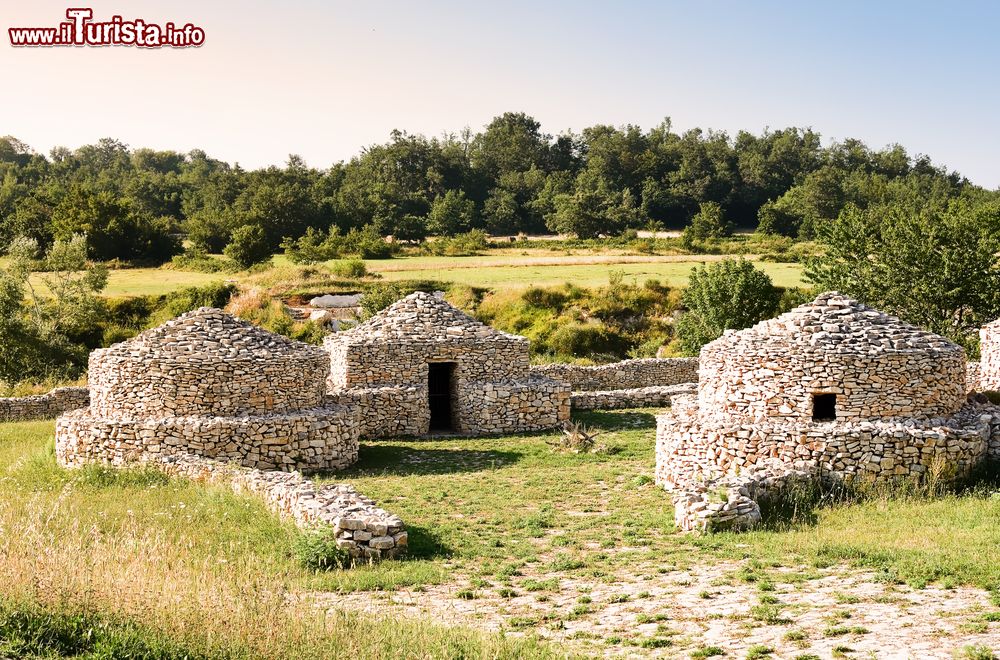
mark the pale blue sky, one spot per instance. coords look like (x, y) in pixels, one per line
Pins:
(323, 78)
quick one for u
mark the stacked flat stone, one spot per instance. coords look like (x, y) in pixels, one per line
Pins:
(210, 384)
(43, 406)
(989, 351)
(900, 410)
(380, 369)
(360, 528)
(973, 380)
(627, 374)
(638, 397)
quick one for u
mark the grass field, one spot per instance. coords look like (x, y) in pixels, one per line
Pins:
(520, 272)
(498, 269)
(537, 542)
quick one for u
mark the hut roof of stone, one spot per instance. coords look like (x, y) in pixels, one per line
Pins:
(422, 317)
(212, 334)
(835, 323)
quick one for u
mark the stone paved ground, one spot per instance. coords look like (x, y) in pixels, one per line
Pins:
(833, 612)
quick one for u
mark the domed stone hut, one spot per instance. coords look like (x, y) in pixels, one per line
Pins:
(209, 384)
(423, 366)
(833, 387)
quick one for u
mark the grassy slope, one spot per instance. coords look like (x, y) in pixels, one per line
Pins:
(486, 508)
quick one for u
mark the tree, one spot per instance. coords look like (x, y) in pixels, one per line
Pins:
(708, 223)
(114, 230)
(725, 295)
(936, 269)
(45, 336)
(594, 208)
(451, 214)
(248, 246)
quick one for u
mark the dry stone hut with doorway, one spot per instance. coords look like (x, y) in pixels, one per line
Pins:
(214, 386)
(831, 387)
(422, 366)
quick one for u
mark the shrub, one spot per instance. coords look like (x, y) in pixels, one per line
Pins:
(317, 550)
(729, 294)
(379, 296)
(314, 246)
(248, 246)
(586, 339)
(368, 243)
(197, 260)
(353, 269)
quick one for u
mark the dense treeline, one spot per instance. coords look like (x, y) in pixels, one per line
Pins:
(137, 204)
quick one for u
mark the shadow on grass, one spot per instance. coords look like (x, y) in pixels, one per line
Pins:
(406, 460)
(424, 543)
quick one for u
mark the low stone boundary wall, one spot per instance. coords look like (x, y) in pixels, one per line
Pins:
(362, 529)
(43, 406)
(640, 397)
(319, 439)
(628, 374)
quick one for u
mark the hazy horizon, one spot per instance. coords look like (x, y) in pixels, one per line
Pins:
(326, 79)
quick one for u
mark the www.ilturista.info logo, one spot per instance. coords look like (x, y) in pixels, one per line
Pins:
(81, 30)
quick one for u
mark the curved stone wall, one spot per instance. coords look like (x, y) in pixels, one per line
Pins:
(691, 449)
(627, 374)
(319, 439)
(43, 406)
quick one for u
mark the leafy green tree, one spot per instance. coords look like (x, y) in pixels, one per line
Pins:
(46, 336)
(594, 208)
(936, 269)
(451, 214)
(114, 230)
(707, 224)
(725, 295)
(248, 246)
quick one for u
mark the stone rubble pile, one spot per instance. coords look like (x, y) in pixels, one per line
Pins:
(361, 528)
(43, 406)
(732, 502)
(380, 369)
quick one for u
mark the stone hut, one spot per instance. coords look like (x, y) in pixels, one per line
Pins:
(212, 385)
(423, 366)
(831, 387)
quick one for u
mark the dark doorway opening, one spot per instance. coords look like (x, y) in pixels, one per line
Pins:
(439, 393)
(824, 407)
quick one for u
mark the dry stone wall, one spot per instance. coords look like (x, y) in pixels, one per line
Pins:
(43, 406)
(381, 369)
(360, 528)
(209, 384)
(628, 374)
(989, 351)
(641, 397)
(972, 377)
